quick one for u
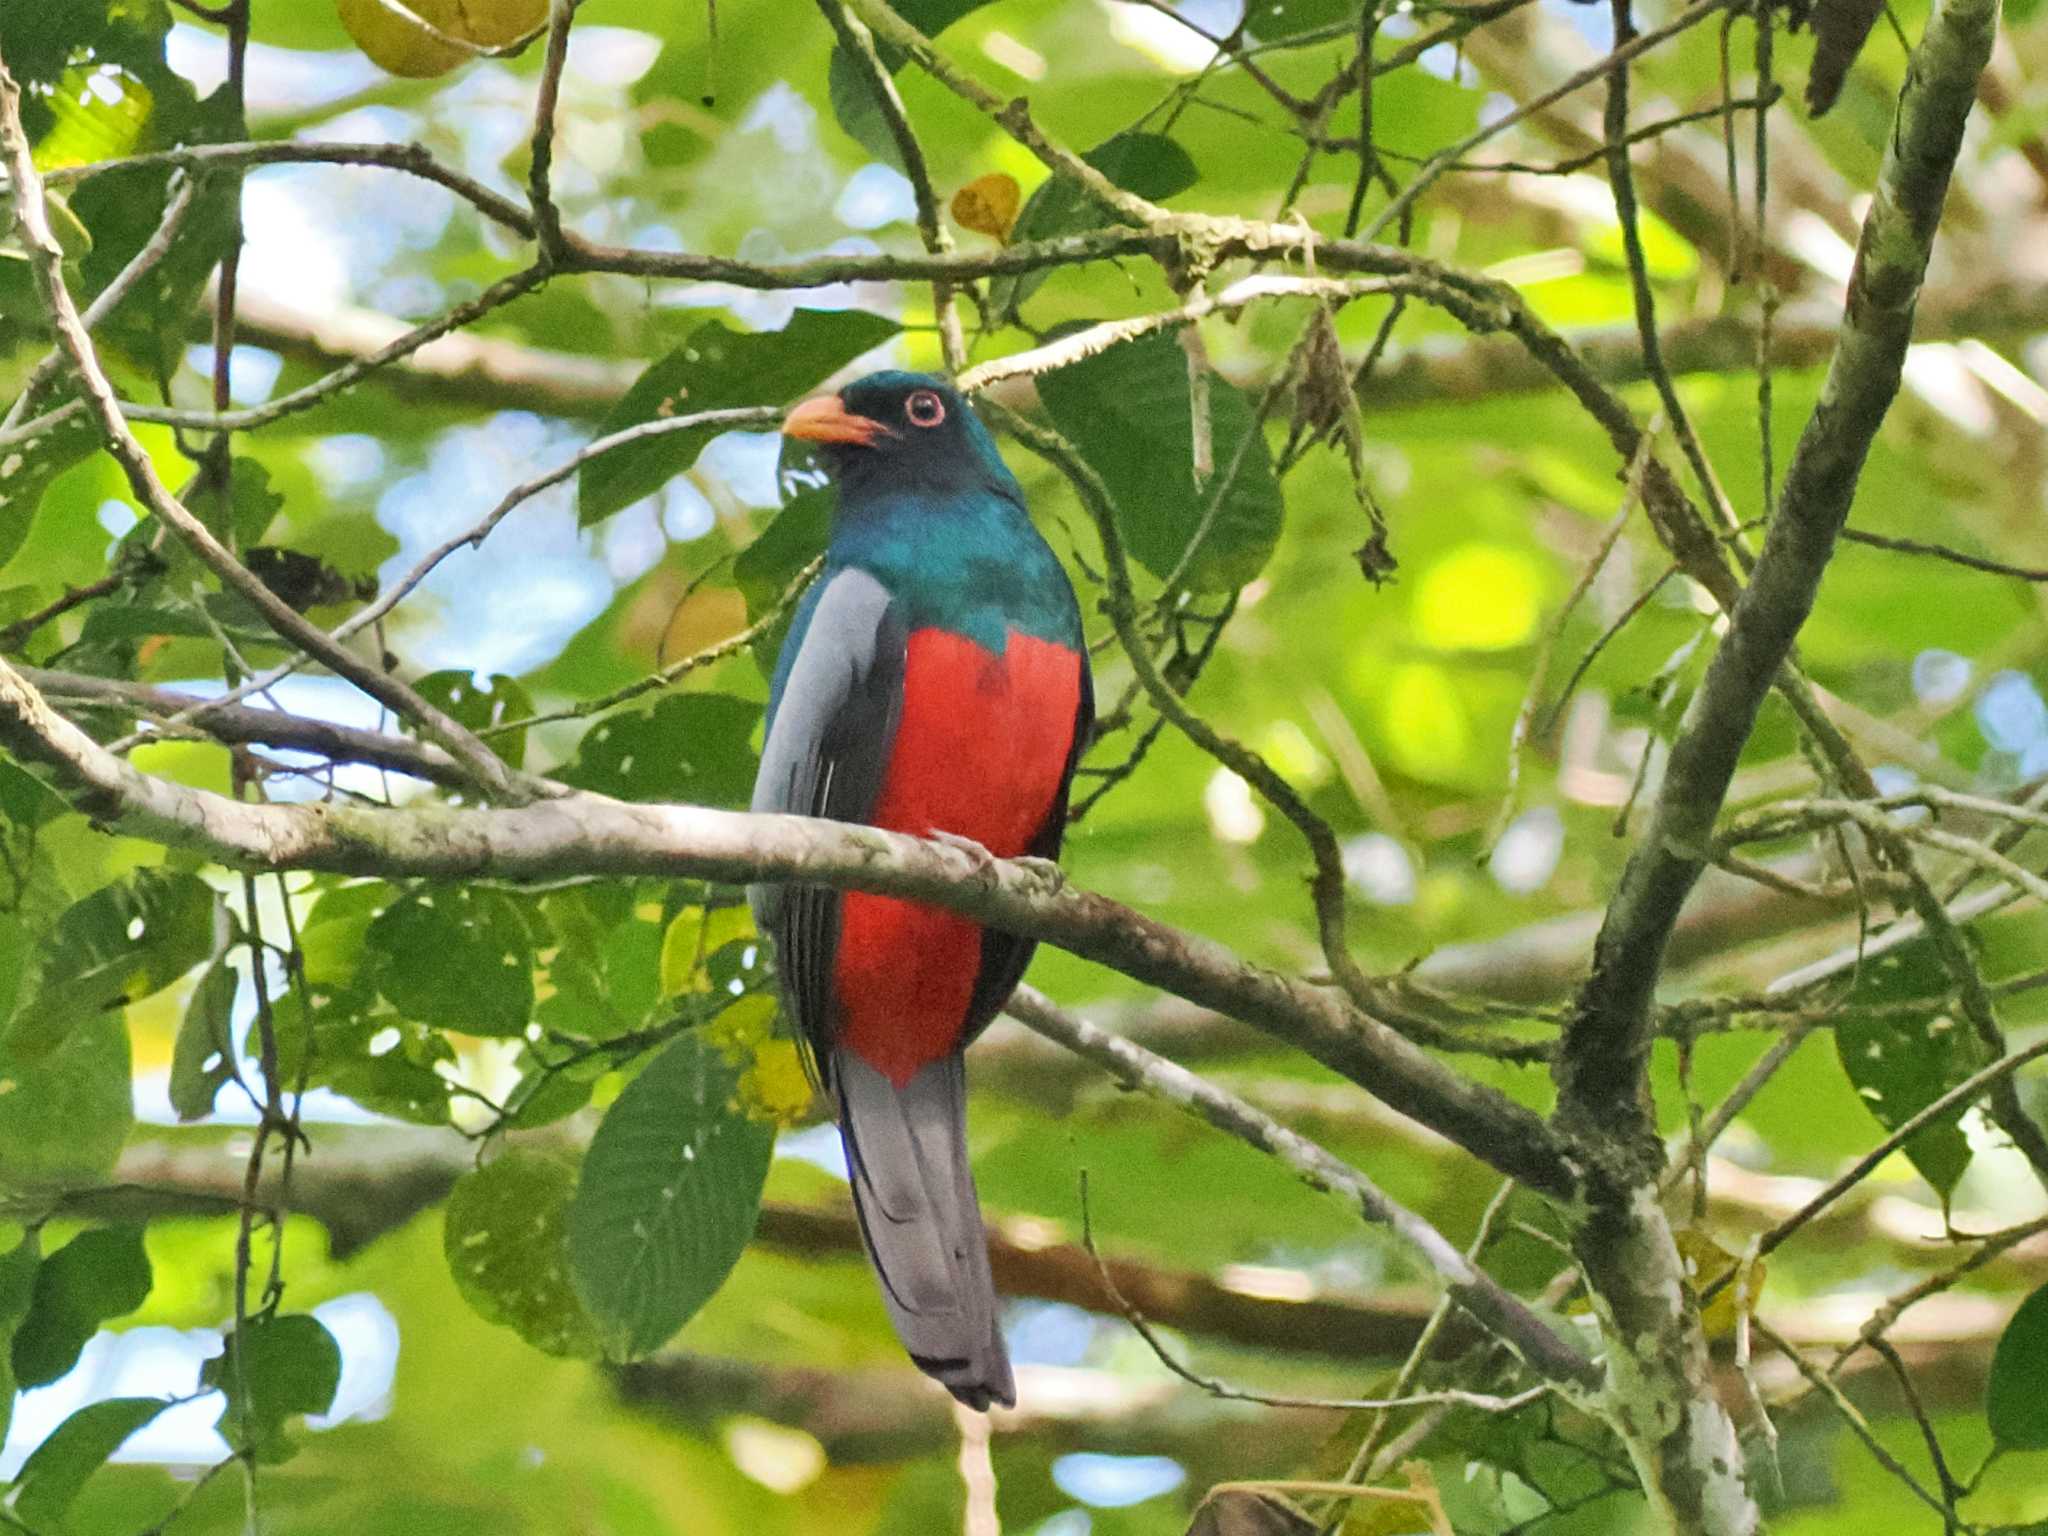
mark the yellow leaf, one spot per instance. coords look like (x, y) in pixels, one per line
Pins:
(988, 205)
(692, 939)
(1706, 1262)
(742, 1029)
(389, 31)
(776, 1087)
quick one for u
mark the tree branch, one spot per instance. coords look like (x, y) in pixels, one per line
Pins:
(591, 834)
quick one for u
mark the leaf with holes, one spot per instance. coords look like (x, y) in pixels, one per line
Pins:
(273, 1368)
(121, 943)
(1902, 1062)
(668, 1196)
(98, 1276)
(483, 706)
(506, 1244)
(456, 957)
(718, 368)
(2014, 1401)
(1130, 413)
(56, 1471)
(691, 747)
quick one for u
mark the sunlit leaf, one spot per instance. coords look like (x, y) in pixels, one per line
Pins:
(690, 747)
(457, 957)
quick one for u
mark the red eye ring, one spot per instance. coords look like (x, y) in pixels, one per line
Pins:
(924, 408)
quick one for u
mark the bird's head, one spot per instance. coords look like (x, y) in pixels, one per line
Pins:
(908, 431)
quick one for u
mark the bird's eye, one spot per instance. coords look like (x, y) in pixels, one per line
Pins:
(925, 409)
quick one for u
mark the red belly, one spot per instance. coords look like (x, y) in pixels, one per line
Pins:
(980, 750)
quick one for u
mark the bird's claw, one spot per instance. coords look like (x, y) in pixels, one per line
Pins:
(983, 861)
(1049, 872)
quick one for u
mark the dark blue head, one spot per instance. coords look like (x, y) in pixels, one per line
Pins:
(909, 434)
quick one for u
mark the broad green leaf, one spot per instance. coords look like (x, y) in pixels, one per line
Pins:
(505, 1238)
(65, 1114)
(457, 957)
(483, 705)
(57, 1470)
(1129, 412)
(120, 944)
(1270, 20)
(25, 799)
(1901, 1063)
(101, 1274)
(1149, 164)
(716, 369)
(271, 1369)
(17, 1289)
(28, 469)
(690, 747)
(203, 1059)
(667, 1198)
(2014, 1401)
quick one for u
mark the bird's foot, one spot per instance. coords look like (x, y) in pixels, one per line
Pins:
(1048, 872)
(983, 861)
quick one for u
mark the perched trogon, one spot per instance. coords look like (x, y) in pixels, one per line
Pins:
(934, 681)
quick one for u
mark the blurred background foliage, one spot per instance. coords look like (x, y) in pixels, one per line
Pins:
(429, 1016)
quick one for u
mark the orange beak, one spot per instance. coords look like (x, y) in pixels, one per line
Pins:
(825, 419)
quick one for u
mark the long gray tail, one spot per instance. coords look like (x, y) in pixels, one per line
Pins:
(906, 1152)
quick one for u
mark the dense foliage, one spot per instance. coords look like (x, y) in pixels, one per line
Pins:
(387, 1179)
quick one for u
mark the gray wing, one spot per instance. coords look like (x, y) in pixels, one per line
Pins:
(831, 726)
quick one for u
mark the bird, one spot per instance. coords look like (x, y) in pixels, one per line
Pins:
(934, 681)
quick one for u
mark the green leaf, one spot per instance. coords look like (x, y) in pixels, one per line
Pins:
(668, 1196)
(1129, 412)
(65, 1114)
(1270, 20)
(17, 1289)
(1902, 1062)
(2014, 1401)
(457, 957)
(506, 1243)
(765, 568)
(1149, 164)
(691, 747)
(120, 944)
(57, 1469)
(203, 1060)
(482, 706)
(716, 369)
(28, 469)
(852, 93)
(272, 1368)
(99, 1275)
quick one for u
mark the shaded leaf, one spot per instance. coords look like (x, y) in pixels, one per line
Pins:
(691, 747)
(271, 1369)
(98, 1276)
(1248, 1512)
(17, 1288)
(667, 1198)
(57, 1470)
(1902, 1062)
(506, 1243)
(482, 704)
(717, 368)
(457, 957)
(2014, 1400)
(119, 944)
(203, 1057)
(1129, 412)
